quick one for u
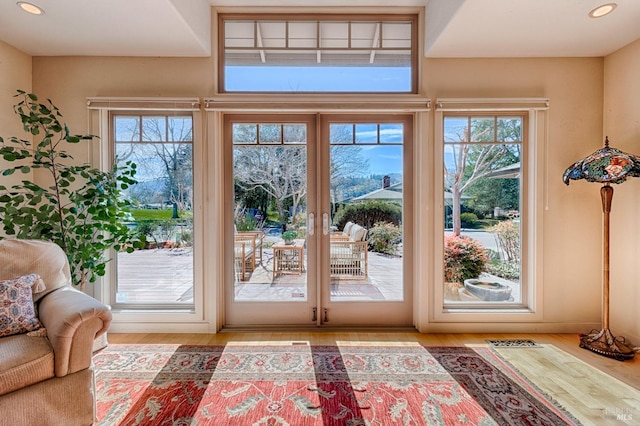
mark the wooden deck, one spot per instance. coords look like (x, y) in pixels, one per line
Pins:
(166, 276)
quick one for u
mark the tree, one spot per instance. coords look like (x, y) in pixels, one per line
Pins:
(474, 149)
(485, 194)
(278, 164)
(346, 161)
(278, 170)
(164, 154)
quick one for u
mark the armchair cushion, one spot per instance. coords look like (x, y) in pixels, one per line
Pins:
(25, 360)
(17, 313)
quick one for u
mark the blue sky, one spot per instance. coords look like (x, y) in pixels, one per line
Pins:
(383, 159)
(317, 79)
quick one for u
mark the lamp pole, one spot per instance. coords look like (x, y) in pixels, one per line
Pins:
(604, 342)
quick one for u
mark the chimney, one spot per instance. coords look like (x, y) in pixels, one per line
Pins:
(386, 182)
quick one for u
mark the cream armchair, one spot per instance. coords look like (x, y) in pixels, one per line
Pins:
(46, 375)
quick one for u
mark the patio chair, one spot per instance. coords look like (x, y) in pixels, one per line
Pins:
(248, 251)
(344, 234)
(349, 258)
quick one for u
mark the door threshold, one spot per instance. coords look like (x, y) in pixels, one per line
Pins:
(317, 329)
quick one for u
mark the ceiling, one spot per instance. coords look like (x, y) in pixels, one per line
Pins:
(453, 28)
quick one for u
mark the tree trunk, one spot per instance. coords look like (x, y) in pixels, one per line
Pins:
(456, 197)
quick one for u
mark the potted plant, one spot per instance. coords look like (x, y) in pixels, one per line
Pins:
(79, 207)
(289, 236)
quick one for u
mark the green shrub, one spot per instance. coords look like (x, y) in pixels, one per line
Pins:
(289, 235)
(81, 208)
(159, 231)
(384, 237)
(368, 214)
(468, 219)
(246, 223)
(464, 258)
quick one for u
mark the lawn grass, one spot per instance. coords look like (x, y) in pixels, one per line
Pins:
(151, 214)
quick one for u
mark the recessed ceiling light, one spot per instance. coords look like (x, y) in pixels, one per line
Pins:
(603, 10)
(30, 8)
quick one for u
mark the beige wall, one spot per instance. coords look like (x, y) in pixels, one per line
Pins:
(574, 86)
(15, 73)
(622, 125)
(69, 81)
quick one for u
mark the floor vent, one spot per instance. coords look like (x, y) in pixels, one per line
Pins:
(514, 343)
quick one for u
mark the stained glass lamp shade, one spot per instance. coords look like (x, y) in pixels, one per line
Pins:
(606, 166)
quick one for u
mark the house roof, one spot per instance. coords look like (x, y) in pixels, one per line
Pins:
(453, 28)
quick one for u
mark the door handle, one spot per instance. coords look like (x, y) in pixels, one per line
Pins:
(311, 224)
(325, 224)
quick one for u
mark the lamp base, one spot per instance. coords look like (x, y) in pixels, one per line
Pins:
(606, 344)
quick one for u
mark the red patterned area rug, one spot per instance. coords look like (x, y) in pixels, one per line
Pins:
(315, 385)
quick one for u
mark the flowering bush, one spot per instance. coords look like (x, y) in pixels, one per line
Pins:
(464, 258)
(384, 237)
(507, 234)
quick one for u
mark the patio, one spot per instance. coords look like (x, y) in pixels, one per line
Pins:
(170, 279)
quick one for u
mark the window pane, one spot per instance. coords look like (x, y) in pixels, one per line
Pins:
(456, 129)
(391, 133)
(180, 129)
(341, 133)
(269, 196)
(366, 133)
(245, 133)
(161, 274)
(295, 133)
(366, 181)
(154, 129)
(127, 129)
(510, 129)
(270, 133)
(324, 56)
(482, 199)
(482, 129)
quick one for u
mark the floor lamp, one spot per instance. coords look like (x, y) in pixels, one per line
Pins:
(606, 166)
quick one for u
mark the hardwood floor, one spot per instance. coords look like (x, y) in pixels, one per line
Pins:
(608, 393)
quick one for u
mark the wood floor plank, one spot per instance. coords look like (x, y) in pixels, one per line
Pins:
(594, 388)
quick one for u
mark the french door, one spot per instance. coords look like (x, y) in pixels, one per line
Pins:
(318, 214)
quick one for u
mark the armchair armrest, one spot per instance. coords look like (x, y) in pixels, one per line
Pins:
(73, 320)
(339, 236)
(255, 237)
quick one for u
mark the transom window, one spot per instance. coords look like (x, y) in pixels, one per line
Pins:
(323, 53)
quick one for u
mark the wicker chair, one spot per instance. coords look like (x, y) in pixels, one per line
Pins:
(349, 258)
